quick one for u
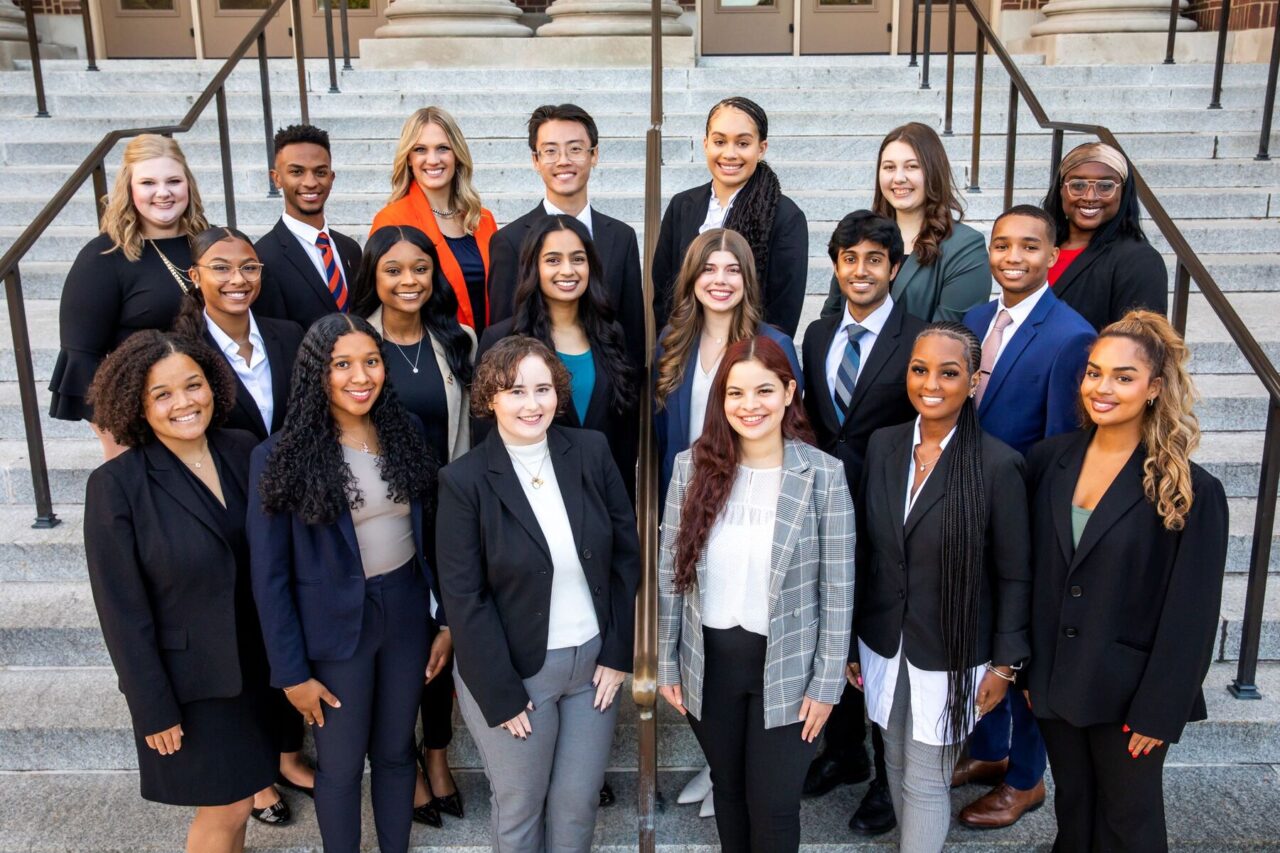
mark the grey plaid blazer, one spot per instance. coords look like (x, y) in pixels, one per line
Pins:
(810, 594)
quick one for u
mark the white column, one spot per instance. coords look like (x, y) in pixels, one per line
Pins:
(1107, 16)
(452, 18)
(609, 18)
(13, 22)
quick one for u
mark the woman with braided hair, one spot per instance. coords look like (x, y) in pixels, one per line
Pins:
(942, 597)
(743, 195)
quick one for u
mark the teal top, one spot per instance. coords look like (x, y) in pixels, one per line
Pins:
(1079, 518)
(582, 376)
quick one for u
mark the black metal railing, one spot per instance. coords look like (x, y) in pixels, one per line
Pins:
(1188, 268)
(93, 168)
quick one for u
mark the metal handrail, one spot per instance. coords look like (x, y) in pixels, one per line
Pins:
(1188, 268)
(93, 168)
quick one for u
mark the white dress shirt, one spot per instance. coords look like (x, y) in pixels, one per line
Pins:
(1018, 315)
(699, 393)
(716, 214)
(740, 553)
(584, 216)
(256, 373)
(873, 324)
(928, 687)
(307, 235)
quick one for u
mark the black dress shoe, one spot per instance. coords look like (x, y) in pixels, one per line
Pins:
(875, 813)
(281, 781)
(276, 814)
(428, 814)
(606, 796)
(450, 804)
(827, 773)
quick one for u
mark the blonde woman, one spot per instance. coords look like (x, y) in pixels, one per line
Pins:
(431, 190)
(1118, 656)
(130, 276)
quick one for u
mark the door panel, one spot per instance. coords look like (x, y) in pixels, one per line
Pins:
(225, 23)
(966, 31)
(845, 26)
(747, 27)
(363, 17)
(148, 29)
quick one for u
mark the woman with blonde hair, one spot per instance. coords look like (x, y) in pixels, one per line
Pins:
(131, 276)
(431, 190)
(1130, 547)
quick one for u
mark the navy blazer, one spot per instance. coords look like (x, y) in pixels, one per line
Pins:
(671, 422)
(1033, 392)
(308, 581)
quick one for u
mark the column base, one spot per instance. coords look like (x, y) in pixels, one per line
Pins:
(443, 19)
(1130, 48)
(580, 52)
(609, 18)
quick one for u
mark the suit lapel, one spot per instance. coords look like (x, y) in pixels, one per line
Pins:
(826, 406)
(566, 459)
(243, 398)
(886, 344)
(598, 405)
(1022, 338)
(301, 261)
(503, 480)
(895, 480)
(679, 402)
(1062, 488)
(930, 493)
(793, 499)
(162, 468)
(281, 370)
(1077, 267)
(1125, 491)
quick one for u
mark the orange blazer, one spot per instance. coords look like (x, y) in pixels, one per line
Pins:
(415, 210)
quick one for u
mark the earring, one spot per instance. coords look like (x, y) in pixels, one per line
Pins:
(1151, 402)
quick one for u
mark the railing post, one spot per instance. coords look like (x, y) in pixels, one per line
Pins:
(1055, 155)
(951, 63)
(33, 43)
(1010, 145)
(268, 124)
(328, 41)
(300, 55)
(1245, 684)
(1269, 105)
(89, 53)
(928, 29)
(100, 189)
(45, 516)
(1181, 293)
(346, 36)
(1174, 8)
(915, 26)
(976, 146)
(1225, 12)
(224, 143)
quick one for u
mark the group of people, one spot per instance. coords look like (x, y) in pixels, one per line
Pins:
(345, 484)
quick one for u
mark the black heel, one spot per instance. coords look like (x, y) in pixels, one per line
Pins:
(276, 814)
(428, 813)
(450, 804)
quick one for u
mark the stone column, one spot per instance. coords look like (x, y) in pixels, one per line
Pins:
(13, 22)
(452, 18)
(609, 18)
(1108, 16)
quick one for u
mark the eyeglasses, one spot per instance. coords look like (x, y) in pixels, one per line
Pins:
(1103, 189)
(575, 153)
(223, 273)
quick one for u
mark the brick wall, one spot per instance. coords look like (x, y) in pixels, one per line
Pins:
(1245, 14)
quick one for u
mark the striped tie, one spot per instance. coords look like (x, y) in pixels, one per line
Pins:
(332, 275)
(847, 375)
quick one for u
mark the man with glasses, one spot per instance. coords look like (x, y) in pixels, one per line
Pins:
(565, 148)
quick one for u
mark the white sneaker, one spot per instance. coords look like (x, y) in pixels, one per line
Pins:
(698, 788)
(708, 808)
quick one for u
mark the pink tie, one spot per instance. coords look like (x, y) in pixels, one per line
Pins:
(990, 349)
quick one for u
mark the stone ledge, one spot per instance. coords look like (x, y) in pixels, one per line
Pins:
(1112, 48)
(568, 52)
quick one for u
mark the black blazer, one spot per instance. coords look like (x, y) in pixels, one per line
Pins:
(879, 397)
(1123, 627)
(496, 570)
(282, 338)
(898, 588)
(164, 580)
(615, 242)
(784, 286)
(292, 288)
(1107, 279)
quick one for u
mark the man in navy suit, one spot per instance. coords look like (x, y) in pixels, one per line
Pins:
(308, 267)
(1034, 349)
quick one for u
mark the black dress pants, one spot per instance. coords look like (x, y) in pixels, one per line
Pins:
(846, 731)
(757, 773)
(437, 709)
(1106, 801)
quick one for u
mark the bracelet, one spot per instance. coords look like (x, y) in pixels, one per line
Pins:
(294, 687)
(1008, 678)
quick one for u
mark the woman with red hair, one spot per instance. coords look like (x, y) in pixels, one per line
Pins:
(756, 595)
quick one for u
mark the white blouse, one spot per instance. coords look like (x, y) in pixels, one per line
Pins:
(699, 393)
(740, 553)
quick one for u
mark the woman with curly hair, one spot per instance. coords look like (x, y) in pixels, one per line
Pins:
(129, 277)
(946, 272)
(164, 536)
(744, 195)
(755, 591)
(341, 500)
(1131, 548)
(431, 190)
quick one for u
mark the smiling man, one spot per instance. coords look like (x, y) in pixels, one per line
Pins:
(565, 148)
(308, 267)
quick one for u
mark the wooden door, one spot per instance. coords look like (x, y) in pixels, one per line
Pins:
(747, 27)
(363, 17)
(225, 23)
(148, 29)
(845, 26)
(966, 33)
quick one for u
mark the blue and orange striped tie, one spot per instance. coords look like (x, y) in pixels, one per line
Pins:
(332, 275)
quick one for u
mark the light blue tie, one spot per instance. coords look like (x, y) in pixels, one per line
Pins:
(847, 375)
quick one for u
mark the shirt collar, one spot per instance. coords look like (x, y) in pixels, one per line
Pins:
(302, 230)
(1023, 309)
(584, 216)
(230, 347)
(715, 202)
(915, 435)
(875, 320)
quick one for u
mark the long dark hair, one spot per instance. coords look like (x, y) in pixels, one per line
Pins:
(305, 473)
(757, 202)
(964, 526)
(440, 312)
(190, 319)
(594, 312)
(1126, 224)
(715, 453)
(942, 206)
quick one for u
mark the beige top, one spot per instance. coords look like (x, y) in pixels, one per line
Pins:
(384, 530)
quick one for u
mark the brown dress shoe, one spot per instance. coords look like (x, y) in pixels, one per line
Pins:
(1002, 806)
(971, 771)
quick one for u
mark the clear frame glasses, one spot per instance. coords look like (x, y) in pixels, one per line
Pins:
(575, 153)
(223, 273)
(1104, 188)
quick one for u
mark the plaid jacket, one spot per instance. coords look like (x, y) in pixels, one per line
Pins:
(810, 593)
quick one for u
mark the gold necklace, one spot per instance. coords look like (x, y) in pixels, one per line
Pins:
(199, 463)
(915, 453)
(535, 479)
(363, 448)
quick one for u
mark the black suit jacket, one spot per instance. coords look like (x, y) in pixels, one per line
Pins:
(784, 285)
(898, 589)
(292, 287)
(282, 338)
(1108, 279)
(1123, 626)
(879, 397)
(615, 242)
(164, 580)
(496, 569)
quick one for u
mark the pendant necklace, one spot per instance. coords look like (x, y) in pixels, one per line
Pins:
(199, 463)
(363, 448)
(416, 355)
(535, 478)
(925, 465)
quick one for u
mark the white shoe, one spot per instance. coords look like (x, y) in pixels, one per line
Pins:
(708, 808)
(698, 788)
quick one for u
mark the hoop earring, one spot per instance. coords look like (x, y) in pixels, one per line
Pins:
(1151, 402)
